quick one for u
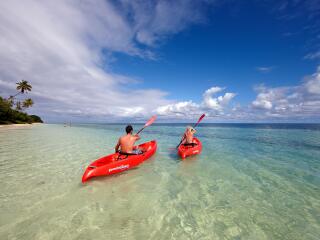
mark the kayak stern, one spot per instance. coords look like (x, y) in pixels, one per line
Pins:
(115, 163)
(186, 151)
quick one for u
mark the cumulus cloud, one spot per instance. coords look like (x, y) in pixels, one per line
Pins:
(64, 50)
(261, 102)
(216, 103)
(213, 106)
(301, 101)
(178, 109)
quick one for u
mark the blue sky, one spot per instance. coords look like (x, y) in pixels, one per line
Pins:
(252, 61)
(226, 50)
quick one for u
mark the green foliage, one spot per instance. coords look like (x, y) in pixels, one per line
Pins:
(36, 118)
(10, 101)
(27, 103)
(9, 115)
(18, 106)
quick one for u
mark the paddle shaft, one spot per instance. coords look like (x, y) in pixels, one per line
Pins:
(140, 130)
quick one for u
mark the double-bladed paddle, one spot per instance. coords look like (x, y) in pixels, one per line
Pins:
(151, 120)
(200, 118)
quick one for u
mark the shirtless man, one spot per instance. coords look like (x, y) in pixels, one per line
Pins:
(188, 136)
(126, 142)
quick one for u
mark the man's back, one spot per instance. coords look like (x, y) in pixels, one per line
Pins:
(127, 142)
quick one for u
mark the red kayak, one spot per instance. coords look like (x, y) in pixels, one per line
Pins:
(117, 162)
(186, 151)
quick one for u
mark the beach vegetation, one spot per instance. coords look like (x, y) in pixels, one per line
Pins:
(12, 109)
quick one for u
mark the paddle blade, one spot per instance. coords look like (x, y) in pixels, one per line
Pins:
(151, 120)
(200, 118)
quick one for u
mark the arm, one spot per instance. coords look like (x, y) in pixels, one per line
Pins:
(116, 148)
(183, 139)
(137, 137)
(194, 132)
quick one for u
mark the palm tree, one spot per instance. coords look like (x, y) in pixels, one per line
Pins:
(23, 86)
(10, 101)
(27, 103)
(18, 106)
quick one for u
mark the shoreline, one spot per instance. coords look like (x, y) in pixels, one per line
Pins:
(18, 125)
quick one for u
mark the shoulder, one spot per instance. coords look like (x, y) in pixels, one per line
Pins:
(135, 137)
(121, 138)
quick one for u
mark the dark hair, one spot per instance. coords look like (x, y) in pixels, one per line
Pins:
(129, 129)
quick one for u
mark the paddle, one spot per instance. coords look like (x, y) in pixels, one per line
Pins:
(200, 118)
(151, 120)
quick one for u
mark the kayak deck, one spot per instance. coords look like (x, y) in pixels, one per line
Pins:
(186, 151)
(116, 162)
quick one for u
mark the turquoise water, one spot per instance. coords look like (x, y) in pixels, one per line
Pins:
(250, 182)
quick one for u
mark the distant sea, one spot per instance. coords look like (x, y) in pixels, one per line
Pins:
(252, 181)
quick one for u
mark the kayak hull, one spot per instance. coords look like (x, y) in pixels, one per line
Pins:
(115, 163)
(186, 151)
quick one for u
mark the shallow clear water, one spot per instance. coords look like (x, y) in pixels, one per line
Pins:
(250, 182)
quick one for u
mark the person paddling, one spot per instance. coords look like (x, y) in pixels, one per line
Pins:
(188, 136)
(125, 144)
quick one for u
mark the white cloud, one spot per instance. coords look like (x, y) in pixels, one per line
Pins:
(312, 83)
(178, 109)
(301, 101)
(216, 103)
(264, 69)
(58, 49)
(154, 20)
(213, 106)
(312, 56)
(262, 103)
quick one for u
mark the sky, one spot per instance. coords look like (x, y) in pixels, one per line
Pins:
(120, 61)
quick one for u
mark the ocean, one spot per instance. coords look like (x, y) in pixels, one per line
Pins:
(251, 181)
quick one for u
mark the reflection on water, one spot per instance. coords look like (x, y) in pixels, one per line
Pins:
(248, 183)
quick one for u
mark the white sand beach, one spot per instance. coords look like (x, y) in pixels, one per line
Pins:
(22, 125)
